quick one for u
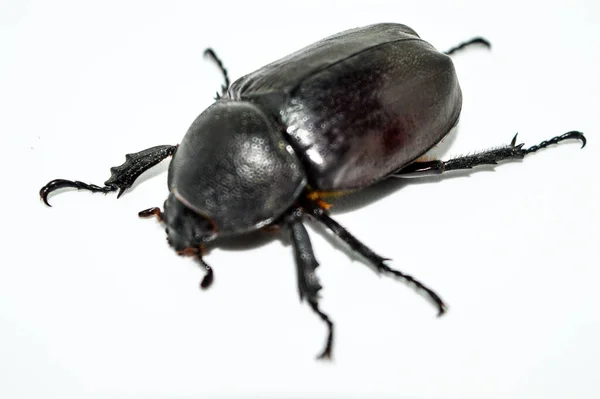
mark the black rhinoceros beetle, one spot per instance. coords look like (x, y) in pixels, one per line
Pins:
(337, 116)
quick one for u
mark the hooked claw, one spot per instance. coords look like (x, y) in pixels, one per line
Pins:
(555, 140)
(574, 135)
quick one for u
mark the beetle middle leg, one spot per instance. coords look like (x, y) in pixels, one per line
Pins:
(319, 213)
(489, 157)
(121, 178)
(210, 53)
(306, 264)
(475, 40)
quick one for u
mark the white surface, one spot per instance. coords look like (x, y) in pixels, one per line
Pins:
(93, 302)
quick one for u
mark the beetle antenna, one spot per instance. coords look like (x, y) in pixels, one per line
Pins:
(475, 40)
(151, 212)
(211, 54)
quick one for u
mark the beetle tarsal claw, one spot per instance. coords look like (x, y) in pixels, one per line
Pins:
(326, 354)
(62, 183)
(427, 292)
(575, 135)
(555, 140)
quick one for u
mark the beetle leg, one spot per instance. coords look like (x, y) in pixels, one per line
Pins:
(475, 40)
(321, 215)
(211, 54)
(121, 178)
(306, 264)
(490, 157)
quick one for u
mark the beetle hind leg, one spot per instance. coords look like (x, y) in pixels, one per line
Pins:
(308, 284)
(377, 261)
(489, 157)
(121, 178)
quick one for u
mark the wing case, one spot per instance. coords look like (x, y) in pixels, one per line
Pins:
(360, 104)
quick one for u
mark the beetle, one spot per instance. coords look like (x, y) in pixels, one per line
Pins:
(337, 116)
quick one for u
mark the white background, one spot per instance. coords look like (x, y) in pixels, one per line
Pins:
(94, 303)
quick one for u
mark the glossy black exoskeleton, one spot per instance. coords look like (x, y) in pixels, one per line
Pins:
(339, 115)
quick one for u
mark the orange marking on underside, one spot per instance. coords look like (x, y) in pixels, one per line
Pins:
(271, 228)
(313, 195)
(189, 251)
(424, 158)
(318, 196)
(323, 204)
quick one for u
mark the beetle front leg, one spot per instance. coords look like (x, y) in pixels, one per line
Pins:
(315, 210)
(122, 177)
(490, 157)
(306, 264)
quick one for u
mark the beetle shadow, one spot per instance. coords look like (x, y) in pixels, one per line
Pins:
(151, 173)
(247, 241)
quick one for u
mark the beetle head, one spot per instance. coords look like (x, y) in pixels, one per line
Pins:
(185, 228)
